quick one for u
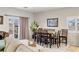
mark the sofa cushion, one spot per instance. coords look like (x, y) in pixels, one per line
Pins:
(7, 42)
(11, 45)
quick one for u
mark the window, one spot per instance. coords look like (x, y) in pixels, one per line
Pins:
(73, 24)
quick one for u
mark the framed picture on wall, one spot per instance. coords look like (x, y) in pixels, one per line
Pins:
(1, 19)
(52, 22)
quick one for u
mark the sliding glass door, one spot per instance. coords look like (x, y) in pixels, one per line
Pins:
(14, 27)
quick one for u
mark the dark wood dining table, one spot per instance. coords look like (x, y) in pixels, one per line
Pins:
(51, 39)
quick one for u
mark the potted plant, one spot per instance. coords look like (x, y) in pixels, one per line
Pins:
(34, 26)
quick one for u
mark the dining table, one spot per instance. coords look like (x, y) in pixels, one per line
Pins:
(51, 38)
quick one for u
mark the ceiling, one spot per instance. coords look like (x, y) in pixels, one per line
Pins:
(37, 9)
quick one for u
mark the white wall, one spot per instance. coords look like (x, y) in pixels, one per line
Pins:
(16, 12)
(61, 14)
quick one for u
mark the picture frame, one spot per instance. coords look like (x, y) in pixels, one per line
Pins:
(1, 19)
(52, 22)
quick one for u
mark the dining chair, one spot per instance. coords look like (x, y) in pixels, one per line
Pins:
(45, 37)
(57, 38)
(51, 39)
(64, 36)
(51, 35)
(39, 38)
(54, 39)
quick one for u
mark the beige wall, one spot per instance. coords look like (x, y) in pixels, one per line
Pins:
(61, 14)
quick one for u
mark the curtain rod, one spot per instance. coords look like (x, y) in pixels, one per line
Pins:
(14, 15)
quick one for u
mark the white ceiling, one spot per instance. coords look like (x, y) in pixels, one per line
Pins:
(37, 9)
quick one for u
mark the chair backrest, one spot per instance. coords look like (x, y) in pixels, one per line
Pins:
(57, 34)
(51, 30)
(39, 30)
(45, 31)
(64, 32)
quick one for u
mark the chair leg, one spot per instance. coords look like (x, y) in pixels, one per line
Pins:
(57, 43)
(66, 41)
(42, 44)
(54, 41)
(50, 44)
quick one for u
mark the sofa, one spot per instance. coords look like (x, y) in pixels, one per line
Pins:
(12, 45)
(2, 43)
